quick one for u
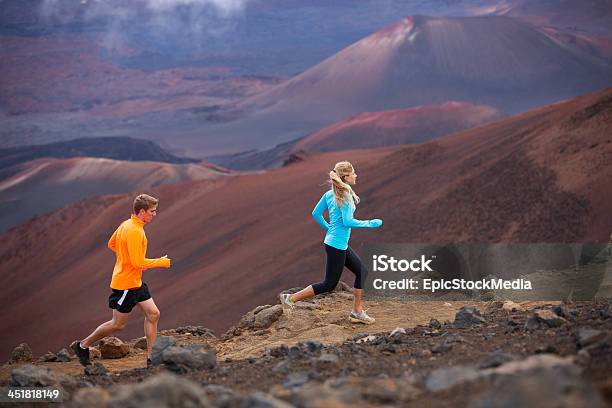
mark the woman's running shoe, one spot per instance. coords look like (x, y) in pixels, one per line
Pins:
(285, 300)
(361, 317)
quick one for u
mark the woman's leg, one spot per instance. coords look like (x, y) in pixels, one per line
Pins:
(305, 293)
(357, 300)
(355, 265)
(334, 264)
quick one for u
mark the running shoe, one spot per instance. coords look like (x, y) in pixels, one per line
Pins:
(361, 317)
(285, 300)
(82, 354)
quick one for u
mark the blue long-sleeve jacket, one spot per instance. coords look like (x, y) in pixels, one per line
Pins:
(340, 220)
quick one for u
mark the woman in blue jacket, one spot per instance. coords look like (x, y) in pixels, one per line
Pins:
(340, 202)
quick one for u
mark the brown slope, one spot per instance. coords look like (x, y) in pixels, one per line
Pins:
(542, 176)
(414, 125)
(539, 176)
(43, 185)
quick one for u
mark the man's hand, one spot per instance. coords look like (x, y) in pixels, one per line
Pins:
(169, 260)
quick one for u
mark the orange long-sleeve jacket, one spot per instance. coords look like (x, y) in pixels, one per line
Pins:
(129, 243)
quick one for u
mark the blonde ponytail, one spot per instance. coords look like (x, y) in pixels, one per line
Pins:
(342, 191)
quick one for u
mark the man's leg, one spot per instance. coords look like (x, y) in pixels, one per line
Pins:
(81, 348)
(151, 313)
(118, 322)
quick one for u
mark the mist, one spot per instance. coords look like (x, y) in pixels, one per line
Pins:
(186, 26)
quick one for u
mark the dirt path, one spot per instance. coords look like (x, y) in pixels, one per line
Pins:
(323, 319)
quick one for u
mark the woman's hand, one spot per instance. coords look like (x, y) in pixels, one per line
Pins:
(376, 222)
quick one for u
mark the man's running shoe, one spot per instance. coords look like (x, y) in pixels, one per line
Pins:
(82, 353)
(285, 300)
(361, 317)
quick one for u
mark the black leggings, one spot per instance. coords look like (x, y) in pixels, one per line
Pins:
(337, 259)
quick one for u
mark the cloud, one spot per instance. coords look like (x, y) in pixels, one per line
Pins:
(224, 7)
(163, 21)
(69, 9)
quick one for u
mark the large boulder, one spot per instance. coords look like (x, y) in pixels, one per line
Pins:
(48, 357)
(442, 379)
(467, 316)
(262, 400)
(163, 390)
(161, 344)
(549, 318)
(495, 359)
(544, 318)
(95, 397)
(510, 306)
(445, 378)
(64, 356)
(557, 387)
(94, 352)
(266, 317)
(96, 369)
(113, 347)
(354, 391)
(587, 336)
(192, 357)
(259, 318)
(140, 343)
(21, 354)
(342, 287)
(39, 376)
(221, 396)
(196, 331)
(182, 358)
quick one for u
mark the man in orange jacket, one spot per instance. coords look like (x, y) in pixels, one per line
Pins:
(129, 243)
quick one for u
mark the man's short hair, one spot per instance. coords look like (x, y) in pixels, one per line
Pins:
(144, 202)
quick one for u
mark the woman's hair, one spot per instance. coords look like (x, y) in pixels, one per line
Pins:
(342, 190)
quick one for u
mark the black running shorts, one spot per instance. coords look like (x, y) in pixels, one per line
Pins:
(125, 300)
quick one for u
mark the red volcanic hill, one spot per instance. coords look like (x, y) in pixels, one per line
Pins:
(497, 61)
(542, 176)
(42, 185)
(379, 129)
(367, 130)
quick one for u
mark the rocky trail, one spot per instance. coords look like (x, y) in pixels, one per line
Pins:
(418, 353)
